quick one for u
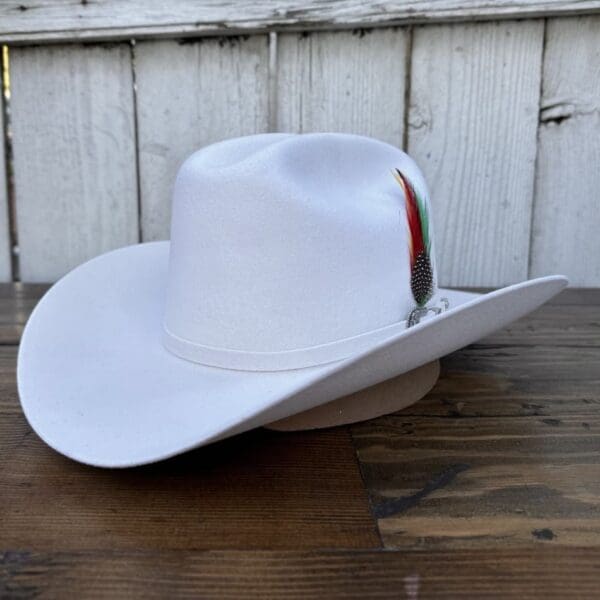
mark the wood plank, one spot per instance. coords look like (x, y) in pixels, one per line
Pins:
(472, 129)
(190, 95)
(540, 572)
(16, 303)
(5, 249)
(569, 296)
(10, 409)
(501, 457)
(577, 296)
(577, 326)
(565, 235)
(258, 490)
(505, 450)
(74, 155)
(332, 82)
(23, 21)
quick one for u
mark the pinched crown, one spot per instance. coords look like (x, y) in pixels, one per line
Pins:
(286, 243)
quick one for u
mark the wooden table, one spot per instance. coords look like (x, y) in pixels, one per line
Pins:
(488, 487)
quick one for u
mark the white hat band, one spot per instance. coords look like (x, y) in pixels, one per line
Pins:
(298, 358)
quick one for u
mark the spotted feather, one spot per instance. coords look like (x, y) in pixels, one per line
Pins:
(419, 240)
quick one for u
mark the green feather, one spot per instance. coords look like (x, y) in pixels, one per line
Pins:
(424, 221)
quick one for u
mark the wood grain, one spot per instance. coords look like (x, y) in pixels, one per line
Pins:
(188, 96)
(472, 129)
(5, 249)
(504, 451)
(332, 82)
(472, 122)
(567, 201)
(258, 490)
(576, 326)
(16, 303)
(74, 155)
(540, 572)
(487, 487)
(23, 21)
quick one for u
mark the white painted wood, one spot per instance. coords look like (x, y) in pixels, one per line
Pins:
(5, 262)
(566, 223)
(343, 81)
(472, 128)
(26, 21)
(74, 155)
(190, 95)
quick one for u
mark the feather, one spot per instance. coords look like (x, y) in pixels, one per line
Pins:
(419, 241)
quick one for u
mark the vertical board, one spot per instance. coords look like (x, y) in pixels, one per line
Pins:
(190, 94)
(566, 220)
(343, 81)
(5, 266)
(74, 155)
(472, 129)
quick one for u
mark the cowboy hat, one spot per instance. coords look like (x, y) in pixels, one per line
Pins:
(300, 269)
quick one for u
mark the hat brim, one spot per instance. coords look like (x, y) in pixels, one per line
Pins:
(97, 385)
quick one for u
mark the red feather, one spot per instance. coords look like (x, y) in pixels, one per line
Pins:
(421, 269)
(417, 244)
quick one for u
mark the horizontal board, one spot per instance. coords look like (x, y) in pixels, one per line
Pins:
(72, 118)
(502, 453)
(258, 490)
(472, 129)
(332, 82)
(487, 487)
(566, 220)
(23, 21)
(188, 96)
(16, 303)
(541, 572)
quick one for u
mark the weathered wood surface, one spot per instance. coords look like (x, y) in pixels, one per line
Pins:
(472, 128)
(16, 303)
(505, 450)
(472, 121)
(333, 82)
(260, 490)
(5, 250)
(23, 21)
(74, 155)
(566, 220)
(520, 573)
(188, 96)
(487, 487)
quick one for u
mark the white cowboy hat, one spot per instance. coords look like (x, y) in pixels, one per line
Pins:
(300, 269)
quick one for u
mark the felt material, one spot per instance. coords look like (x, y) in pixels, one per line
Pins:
(288, 250)
(97, 384)
(381, 399)
(285, 286)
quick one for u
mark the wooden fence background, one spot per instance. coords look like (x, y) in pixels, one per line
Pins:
(498, 102)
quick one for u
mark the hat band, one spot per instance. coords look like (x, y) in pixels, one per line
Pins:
(299, 358)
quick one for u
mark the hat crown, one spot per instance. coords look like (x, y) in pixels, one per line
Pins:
(281, 242)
